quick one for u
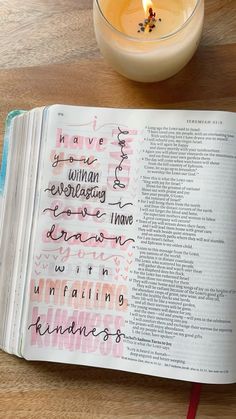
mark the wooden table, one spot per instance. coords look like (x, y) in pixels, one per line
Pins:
(48, 54)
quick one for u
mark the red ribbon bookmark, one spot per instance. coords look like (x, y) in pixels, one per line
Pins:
(194, 400)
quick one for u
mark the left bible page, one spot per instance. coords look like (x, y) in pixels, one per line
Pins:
(84, 234)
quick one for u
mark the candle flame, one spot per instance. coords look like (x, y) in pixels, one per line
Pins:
(146, 5)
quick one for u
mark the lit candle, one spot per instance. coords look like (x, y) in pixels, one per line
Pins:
(148, 40)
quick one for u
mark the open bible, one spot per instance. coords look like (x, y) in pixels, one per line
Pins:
(118, 247)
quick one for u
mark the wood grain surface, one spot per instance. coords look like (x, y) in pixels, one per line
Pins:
(48, 54)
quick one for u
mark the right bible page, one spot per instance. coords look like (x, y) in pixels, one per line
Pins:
(184, 293)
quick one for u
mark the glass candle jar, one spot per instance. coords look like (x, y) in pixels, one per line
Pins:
(148, 45)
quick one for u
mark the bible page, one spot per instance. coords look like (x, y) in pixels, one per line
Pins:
(132, 263)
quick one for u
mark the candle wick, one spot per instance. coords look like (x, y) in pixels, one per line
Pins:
(151, 13)
(151, 19)
(149, 23)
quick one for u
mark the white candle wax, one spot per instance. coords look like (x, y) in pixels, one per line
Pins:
(148, 55)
